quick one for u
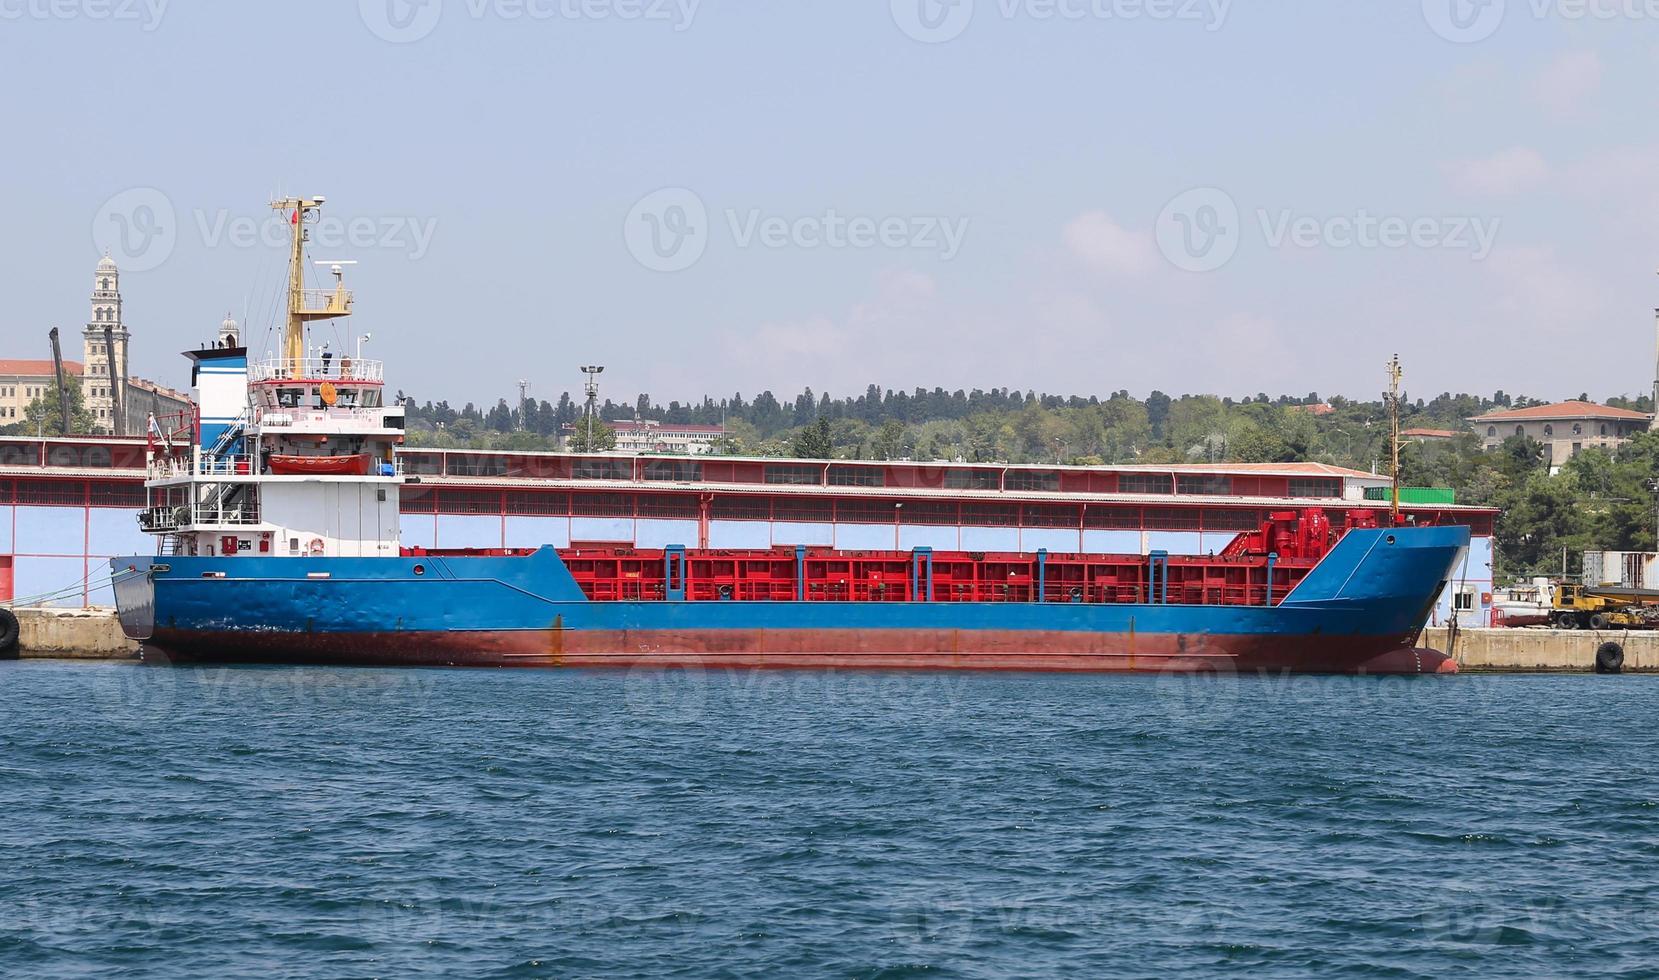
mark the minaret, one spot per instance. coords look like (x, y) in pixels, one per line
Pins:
(1655, 423)
(101, 370)
(229, 334)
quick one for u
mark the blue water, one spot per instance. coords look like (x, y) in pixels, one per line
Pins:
(331, 823)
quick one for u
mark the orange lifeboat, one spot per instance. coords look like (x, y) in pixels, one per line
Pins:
(360, 464)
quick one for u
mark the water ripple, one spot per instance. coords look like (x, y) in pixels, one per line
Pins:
(299, 823)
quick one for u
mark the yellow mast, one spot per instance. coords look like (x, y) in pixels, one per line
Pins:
(303, 306)
(1394, 375)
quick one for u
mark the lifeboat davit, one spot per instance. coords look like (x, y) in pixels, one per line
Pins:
(360, 464)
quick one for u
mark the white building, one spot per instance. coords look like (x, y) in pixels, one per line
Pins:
(651, 436)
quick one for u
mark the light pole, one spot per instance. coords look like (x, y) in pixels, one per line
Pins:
(591, 386)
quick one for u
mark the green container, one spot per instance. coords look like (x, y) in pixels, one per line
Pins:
(1415, 495)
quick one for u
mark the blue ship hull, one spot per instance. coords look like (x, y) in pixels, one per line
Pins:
(1361, 609)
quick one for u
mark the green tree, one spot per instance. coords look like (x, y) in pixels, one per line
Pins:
(592, 435)
(814, 441)
(45, 414)
(889, 441)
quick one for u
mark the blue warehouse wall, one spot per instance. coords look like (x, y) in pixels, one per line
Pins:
(112, 531)
(740, 534)
(990, 539)
(50, 531)
(864, 537)
(1054, 539)
(1112, 542)
(36, 575)
(7, 516)
(469, 531)
(793, 532)
(601, 529)
(656, 533)
(419, 530)
(913, 536)
(533, 532)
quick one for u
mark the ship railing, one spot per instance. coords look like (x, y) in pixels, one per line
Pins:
(171, 467)
(335, 302)
(317, 368)
(278, 418)
(218, 509)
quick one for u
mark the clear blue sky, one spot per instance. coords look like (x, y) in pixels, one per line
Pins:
(814, 156)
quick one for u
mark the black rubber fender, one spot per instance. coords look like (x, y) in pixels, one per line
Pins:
(9, 632)
(1609, 658)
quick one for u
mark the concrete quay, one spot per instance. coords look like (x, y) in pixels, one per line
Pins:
(72, 634)
(1530, 650)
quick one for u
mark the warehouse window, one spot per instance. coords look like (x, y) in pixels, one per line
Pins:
(1209, 486)
(958, 479)
(809, 476)
(1145, 483)
(856, 476)
(1315, 487)
(1034, 480)
(673, 471)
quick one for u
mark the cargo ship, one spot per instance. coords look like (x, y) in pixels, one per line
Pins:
(275, 505)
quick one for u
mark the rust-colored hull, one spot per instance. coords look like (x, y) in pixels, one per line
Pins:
(818, 649)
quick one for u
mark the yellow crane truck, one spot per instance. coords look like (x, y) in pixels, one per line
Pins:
(1603, 607)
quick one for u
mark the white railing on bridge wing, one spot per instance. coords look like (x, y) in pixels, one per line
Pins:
(213, 512)
(317, 368)
(167, 467)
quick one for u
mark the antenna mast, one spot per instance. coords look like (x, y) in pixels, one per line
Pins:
(1394, 375)
(303, 307)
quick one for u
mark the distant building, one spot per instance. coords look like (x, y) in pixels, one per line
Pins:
(1564, 427)
(651, 436)
(98, 372)
(1317, 410)
(1430, 435)
(22, 381)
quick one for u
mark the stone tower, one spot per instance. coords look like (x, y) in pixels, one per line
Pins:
(101, 369)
